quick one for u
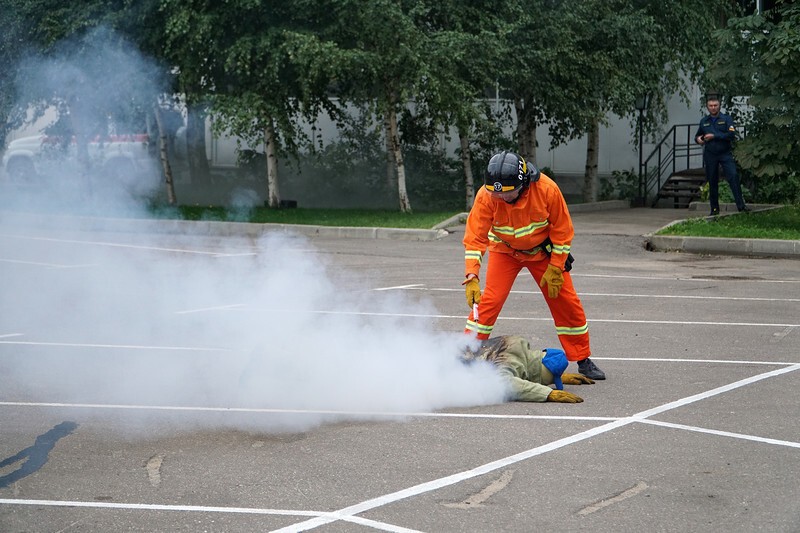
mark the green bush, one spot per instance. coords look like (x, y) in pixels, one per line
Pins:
(622, 185)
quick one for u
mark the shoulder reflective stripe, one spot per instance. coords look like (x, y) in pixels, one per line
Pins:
(573, 331)
(478, 328)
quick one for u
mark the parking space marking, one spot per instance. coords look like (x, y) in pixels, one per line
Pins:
(618, 295)
(315, 412)
(374, 524)
(118, 346)
(533, 452)
(753, 438)
(45, 265)
(115, 245)
(534, 319)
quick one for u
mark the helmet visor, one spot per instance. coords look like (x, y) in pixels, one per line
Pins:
(503, 192)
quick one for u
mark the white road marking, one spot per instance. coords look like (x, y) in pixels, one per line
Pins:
(670, 278)
(7, 335)
(315, 412)
(114, 245)
(116, 346)
(348, 513)
(533, 452)
(207, 509)
(215, 308)
(629, 295)
(413, 286)
(753, 438)
(46, 265)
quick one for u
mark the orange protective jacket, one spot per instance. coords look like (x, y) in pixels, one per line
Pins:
(540, 212)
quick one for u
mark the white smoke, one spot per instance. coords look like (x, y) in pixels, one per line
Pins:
(277, 330)
(178, 321)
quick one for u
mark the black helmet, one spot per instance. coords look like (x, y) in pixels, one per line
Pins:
(508, 171)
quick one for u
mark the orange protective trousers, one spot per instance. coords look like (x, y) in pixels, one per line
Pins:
(566, 309)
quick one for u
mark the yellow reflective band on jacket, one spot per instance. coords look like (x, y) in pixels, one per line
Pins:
(580, 330)
(519, 232)
(479, 328)
(475, 255)
(561, 248)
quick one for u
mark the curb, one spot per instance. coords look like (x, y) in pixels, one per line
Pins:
(722, 246)
(219, 229)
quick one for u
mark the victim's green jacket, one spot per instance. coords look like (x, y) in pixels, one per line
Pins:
(520, 364)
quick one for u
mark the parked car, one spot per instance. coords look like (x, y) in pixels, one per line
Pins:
(112, 157)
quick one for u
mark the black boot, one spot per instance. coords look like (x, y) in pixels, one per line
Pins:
(590, 370)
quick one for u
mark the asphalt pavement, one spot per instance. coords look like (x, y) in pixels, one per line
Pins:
(191, 378)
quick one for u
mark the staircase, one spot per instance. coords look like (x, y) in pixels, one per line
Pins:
(674, 169)
(682, 186)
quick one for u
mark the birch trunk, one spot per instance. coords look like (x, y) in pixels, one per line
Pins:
(402, 194)
(164, 157)
(466, 162)
(273, 191)
(592, 157)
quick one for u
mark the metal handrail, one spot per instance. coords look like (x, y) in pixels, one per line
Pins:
(675, 152)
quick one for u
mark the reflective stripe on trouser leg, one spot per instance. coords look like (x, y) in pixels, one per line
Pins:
(568, 314)
(501, 272)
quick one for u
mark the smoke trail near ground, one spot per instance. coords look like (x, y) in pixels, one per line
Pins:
(173, 321)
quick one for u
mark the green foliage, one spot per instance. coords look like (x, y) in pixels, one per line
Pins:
(781, 223)
(757, 57)
(622, 185)
(724, 192)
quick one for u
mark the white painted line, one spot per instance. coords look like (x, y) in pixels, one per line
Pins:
(626, 295)
(115, 346)
(704, 361)
(46, 265)
(723, 433)
(381, 414)
(113, 245)
(414, 286)
(205, 509)
(215, 308)
(545, 319)
(533, 452)
(7, 335)
(670, 278)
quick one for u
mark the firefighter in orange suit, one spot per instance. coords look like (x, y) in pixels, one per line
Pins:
(521, 217)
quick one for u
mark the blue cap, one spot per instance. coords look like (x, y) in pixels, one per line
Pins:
(555, 361)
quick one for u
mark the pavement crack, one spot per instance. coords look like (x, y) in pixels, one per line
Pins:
(624, 495)
(476, 500)
(154, 469)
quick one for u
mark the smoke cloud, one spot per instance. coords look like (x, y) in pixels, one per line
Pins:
(222, 329)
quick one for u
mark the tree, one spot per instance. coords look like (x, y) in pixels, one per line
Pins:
(383, 63)
(464, 46)
(758, 60)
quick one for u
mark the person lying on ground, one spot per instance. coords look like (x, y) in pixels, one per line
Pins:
(529, 371)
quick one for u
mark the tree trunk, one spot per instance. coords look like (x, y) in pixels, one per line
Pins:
(196, 144)
(273, 191)
(163, 156)
(391, 174)
(526, 129)
(466, 162)
(592, 156)
(402, 194)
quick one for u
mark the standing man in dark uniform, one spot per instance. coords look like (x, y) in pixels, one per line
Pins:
(716, 134)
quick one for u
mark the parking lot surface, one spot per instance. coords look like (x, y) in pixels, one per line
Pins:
(187, 382)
